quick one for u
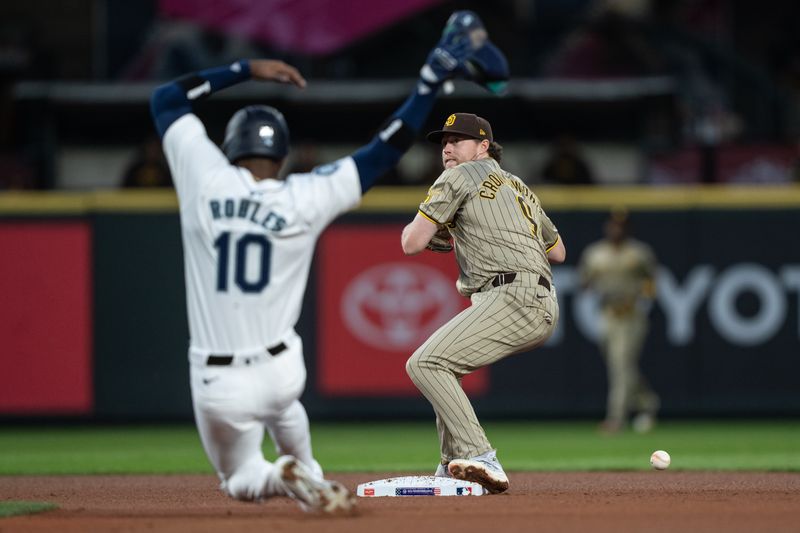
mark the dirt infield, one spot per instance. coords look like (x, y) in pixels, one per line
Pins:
(563, 502)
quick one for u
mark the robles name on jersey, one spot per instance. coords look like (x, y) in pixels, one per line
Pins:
(246, 209)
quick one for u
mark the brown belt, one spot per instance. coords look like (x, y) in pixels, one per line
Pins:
(226, 359)
(508, 277)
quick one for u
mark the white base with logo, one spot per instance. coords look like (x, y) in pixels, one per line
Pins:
(419, 486)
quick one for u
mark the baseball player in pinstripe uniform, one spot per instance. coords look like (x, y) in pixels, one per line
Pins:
(504, 244)
(622, 272)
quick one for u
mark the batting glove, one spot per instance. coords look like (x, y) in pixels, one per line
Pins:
(486, 67)
(463, 35)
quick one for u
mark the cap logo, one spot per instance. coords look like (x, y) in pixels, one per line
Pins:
(450, 120)
(482, 132)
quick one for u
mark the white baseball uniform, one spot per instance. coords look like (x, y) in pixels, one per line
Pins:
(248, 247)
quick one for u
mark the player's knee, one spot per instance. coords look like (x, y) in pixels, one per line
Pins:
(416, 366)
(412, 367)
(421, 364)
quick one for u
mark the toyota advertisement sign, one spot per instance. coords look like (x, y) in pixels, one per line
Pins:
(375, 307)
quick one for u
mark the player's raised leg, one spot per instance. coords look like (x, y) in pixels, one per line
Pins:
(437, 376)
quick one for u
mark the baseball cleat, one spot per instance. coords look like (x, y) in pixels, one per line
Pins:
(643, 422)
(441, 471)
(484, 469)
(610, 427)
(312, 493)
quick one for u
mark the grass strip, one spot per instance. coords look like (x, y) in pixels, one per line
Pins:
(14, 508)
(413, 447)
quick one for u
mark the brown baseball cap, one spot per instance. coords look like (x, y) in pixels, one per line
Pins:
(463, 124)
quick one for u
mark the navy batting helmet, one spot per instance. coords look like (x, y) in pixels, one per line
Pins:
(256, 131)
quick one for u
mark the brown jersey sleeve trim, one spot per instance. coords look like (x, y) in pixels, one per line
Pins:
(558, 238)
(429, 218)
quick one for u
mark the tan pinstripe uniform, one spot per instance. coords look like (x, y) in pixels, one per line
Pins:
(622, 276)
(498, 226)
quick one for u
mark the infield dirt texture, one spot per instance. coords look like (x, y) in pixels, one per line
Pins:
(563, 501)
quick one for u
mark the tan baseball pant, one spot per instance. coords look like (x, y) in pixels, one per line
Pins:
(622, 340)
(501, 321)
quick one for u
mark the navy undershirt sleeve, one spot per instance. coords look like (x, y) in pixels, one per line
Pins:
(379, 155)
(172, 100)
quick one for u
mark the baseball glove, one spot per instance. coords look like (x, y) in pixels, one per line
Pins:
(441, 242)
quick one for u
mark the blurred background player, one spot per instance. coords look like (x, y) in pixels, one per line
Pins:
(504, 244)
(248, 239)
(621, 271)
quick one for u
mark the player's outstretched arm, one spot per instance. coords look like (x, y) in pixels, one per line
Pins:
(172, 100)
(464, 40)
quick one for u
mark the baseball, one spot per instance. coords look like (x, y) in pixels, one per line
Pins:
(660, 460)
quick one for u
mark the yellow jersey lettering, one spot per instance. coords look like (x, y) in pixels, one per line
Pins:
(489, 185)
(488, 190)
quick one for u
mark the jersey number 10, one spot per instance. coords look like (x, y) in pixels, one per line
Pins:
(246, 244)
